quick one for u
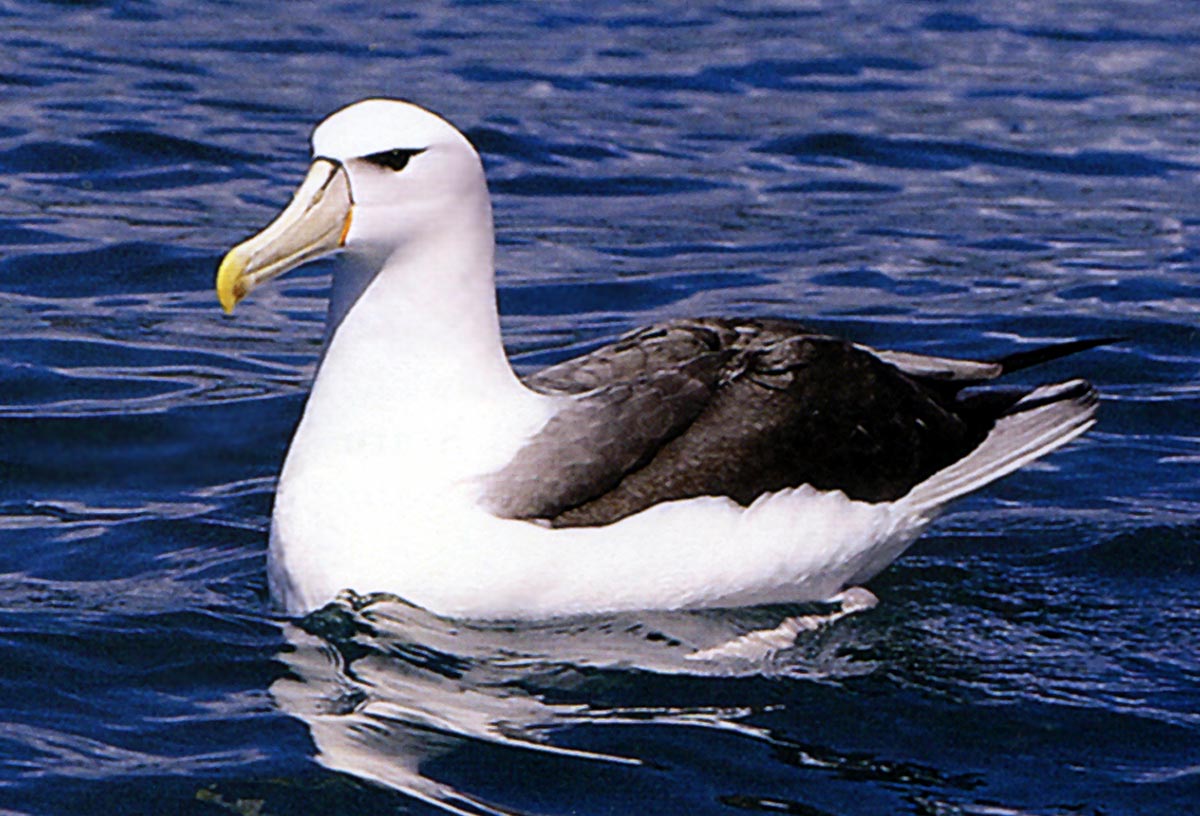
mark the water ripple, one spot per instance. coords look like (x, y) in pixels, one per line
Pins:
(959, 181)
(923, 154)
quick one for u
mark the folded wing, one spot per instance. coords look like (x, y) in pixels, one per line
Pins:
(739, 408)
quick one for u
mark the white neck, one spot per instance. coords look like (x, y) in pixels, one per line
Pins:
(415, 369)
(426, 319)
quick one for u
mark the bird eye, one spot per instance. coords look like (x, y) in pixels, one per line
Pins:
(394, 159)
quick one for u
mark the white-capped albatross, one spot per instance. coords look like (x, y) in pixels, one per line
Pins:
(696, 463)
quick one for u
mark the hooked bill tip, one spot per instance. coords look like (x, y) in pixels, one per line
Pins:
(230, 287)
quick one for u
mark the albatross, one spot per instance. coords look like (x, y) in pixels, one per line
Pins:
(697, 463)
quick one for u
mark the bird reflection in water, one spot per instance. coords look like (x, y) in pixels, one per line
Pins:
(386, 688)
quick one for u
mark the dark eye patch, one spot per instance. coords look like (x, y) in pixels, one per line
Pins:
(395, 159)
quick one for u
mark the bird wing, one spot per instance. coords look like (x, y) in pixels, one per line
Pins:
(731, 408)
(618, 406)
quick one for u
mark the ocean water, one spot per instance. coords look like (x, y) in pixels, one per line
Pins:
(958, 178)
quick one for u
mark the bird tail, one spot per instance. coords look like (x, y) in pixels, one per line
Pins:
(1041, 421)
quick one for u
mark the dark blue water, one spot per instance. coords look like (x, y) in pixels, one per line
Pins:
(945, 177)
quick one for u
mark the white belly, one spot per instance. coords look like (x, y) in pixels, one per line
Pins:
(449, 556)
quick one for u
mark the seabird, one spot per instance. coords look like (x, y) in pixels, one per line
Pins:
(696, 463)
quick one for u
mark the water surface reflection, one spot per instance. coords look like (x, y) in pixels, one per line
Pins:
(387, 688)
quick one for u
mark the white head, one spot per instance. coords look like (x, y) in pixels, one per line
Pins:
(386, 175)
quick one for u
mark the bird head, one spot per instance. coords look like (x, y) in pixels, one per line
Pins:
(383, 171)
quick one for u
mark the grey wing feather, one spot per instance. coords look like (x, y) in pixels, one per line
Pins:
(946, 369)
(738, 408)
(620, 403)
(634, 356)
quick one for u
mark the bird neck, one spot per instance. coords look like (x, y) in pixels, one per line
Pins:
(427, 318)
(414, 373)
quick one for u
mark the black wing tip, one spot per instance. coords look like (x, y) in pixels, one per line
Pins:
(1044, 354)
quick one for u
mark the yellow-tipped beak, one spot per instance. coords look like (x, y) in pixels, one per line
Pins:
(315, 223)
